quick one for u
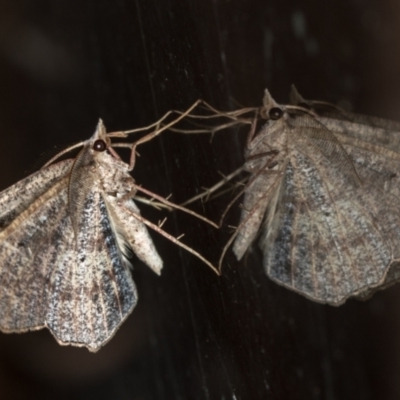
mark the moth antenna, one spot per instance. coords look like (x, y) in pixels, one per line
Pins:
(248, 184)
(67, 150)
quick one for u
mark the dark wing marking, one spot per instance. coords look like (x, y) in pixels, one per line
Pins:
(91, 291)
(17, 198)
(323, 241)
(23, 272)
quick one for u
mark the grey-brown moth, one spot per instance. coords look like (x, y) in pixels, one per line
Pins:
(323, 200)
(65, 235)
(322, 197)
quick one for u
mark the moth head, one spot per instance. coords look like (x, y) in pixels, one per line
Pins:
(271, 135)
(100, 141)
(271, 110)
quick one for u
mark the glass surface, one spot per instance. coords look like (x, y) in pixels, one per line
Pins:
(194, 335)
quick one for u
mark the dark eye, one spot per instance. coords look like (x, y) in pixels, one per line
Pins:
(275, 113)
(99, 145)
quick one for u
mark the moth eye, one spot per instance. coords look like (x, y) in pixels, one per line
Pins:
(99, 145)
(275, 113)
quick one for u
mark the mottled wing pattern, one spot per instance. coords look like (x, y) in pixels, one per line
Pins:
(330, 212)
(367, 128)
(262, 193)
(373, 145)
(323, 240)
(392, 277)
(23, 274)
(135, 232)
(20, 196)
(65, 233)
(91, 291)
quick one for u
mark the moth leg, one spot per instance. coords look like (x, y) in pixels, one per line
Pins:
(172, 205)
(168, 236)
(158, 205)
(252, 131)
(208, 192)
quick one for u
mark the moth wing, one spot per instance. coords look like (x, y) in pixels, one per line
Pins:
(18, 197)
(323, 240)
(260, 194)
(364, 127)
(135, 232)
(365, 164)
(329, 110)
(308, 134)
(24, 270)
(392, 277)
(91, 291)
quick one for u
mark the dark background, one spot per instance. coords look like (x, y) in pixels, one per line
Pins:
(193, 335)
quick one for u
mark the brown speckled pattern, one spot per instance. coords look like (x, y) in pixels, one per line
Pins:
(64, 234)
(327, 209)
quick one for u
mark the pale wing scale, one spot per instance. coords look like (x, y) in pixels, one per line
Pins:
(135, 232)
(100, 293)
(390, 139)
(350, 253)
(24, 273)
(367, 128)
(305, 130)
(64, 235)
(392, 277)
(258, 196)
(21, 195)
(83, 177)
(381, 189)
(331, 228)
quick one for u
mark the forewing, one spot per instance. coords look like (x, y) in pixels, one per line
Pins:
(364, 127)
(258, 195)
(323, 241)
(17, 198)
(308, 134)
(24, 271)
(91, 291)
(392, 277)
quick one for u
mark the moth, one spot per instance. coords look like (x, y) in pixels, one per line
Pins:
(322, 199)
(66, 232)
